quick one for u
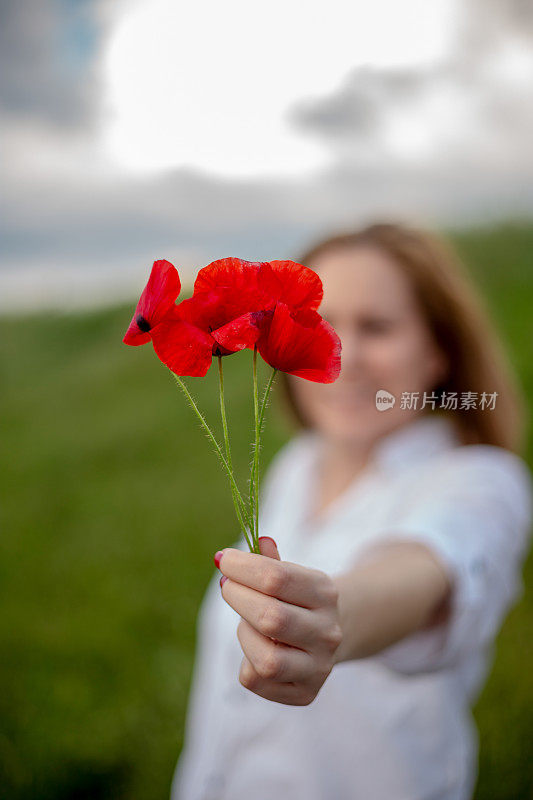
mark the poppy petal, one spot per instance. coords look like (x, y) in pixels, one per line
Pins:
(302, 344)
(227, 273)
(293, 284)
(134, 336)
(243, 331)
(212, 310)
(206, 310)
(184, 348)
(157, 298)
(160, 292)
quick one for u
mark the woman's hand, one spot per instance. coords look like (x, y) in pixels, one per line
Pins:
(290, 628)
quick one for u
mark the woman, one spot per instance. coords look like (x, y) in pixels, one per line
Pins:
(348, 668)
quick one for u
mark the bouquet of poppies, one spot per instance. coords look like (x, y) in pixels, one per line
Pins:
(269, 308)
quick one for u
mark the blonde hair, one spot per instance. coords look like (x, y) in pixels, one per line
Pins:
(460, 326)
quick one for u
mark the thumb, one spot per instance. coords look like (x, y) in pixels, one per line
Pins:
(268, 547)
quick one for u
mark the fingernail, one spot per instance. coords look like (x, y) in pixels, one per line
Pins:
(270, 539)
(222, 579)
(216, 558)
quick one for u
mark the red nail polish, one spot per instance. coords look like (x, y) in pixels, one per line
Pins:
(222, 579)
(270, 539)
(216, 558)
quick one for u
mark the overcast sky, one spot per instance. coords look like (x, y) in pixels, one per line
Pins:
(142, 129)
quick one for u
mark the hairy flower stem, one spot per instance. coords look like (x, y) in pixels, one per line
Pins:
(254, 506)
(259, 414)
(238, 501)
(237, 498)
(264, 401)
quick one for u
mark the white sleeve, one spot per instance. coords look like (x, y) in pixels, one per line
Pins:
(475, 516)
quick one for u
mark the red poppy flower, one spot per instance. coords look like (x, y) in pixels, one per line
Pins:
(238, 304)
(303, 344)
(287, 282)
(157, 299)
(183, 347)
(181, 334)
(289, 333)
(293, 284)
(185, 341)
(233, 274)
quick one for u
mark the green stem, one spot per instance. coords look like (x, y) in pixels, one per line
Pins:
(257, 452)
(223, 412)
(255, 473)
(237, 499)
(218, 449)
(259, 415)
(264, 401)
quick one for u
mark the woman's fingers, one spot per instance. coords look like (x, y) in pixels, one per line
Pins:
(268, 547)
(276, 662)
(287, 693)
(274, 618)
(289, 629)
(301, 586)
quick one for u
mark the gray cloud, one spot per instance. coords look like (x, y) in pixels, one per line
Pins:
(47, 61)
(76, 235)
(473, 106)
(84, 247)
(487, 21)
(358, 109)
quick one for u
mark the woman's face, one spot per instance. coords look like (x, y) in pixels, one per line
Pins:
(386, 344)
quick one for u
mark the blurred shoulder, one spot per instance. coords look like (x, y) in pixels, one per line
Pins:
(487, 461)
(494, 471)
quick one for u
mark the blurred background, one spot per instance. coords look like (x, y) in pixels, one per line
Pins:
(141, 129)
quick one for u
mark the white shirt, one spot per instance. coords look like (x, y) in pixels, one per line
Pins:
(395, 726)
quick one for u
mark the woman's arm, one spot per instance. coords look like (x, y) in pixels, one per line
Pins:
(404, 588)
(297, 622)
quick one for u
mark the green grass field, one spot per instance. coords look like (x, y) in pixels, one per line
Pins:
(113, 505)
